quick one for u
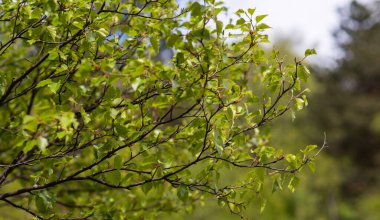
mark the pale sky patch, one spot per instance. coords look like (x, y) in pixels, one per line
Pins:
(309, 23)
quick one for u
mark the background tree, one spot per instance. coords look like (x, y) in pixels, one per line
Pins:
(348, 109)
(353, 91)
(92, 126)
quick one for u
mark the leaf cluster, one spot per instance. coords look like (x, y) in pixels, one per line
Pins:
(92, 126)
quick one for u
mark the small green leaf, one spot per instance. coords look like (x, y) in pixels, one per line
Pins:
(53, 86)
(219, 27)
(311, 166)
(300, 103)
(276, 186)
(61, 134)
(30, 123)
(118, 162)
(52, 31)
(309, 52)
(44, 83)
(262, 26)
(146, 187)
(67, 119)
(293, 183)
(292, 160)
(196, 9)
(310, 148)
(251, 11)
(29, 145)
(113, 177)
(102, 32)
(303, 73)
(183, 193)
(230, 113)
(239, 12)
(31, 41)
(77, 24)
(180, 58)
(155, 43)
(121, 130)
(260, 18)
(240, 21)
(44, 201)
(40, 204)
(218, 141)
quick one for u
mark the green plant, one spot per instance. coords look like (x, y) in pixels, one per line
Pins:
(91, 125)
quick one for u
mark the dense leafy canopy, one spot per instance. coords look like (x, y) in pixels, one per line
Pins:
(92, 124)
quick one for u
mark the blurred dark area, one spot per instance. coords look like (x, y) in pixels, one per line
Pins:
(348, 106)
(344, 104)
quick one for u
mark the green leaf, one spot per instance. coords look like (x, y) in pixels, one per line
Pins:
(311, 166)
(44, 83)
(260, 18)
(309, 148)
(303, 73)
(239, 12)
(276, 185)
(230, 113)
(196, 9)
(218, 141)
(54, 87)
(292, 160)
(183, 193)
(67, 119)
(146, 187)
(103, 33)
(113, 177)
(293, 183)
(118, 162)
(77, 24)
(52, 31)
(310, 52)
(155, 43)
(251, 11)
(262, 26)
(121, 130)
(29, 145)
(180, 58)
(300, 103)
(240, 21)
(61, 134)
(30, 123)
(44, 201)
(219, 27)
